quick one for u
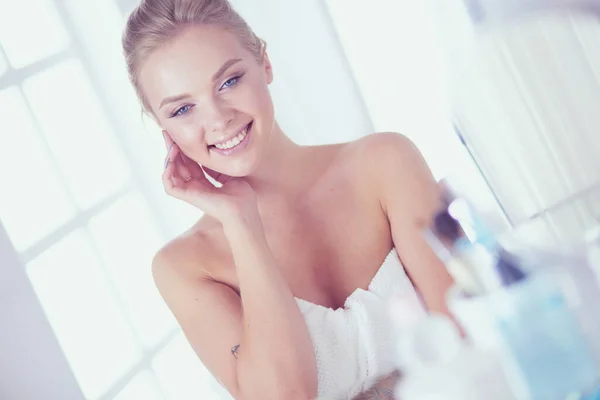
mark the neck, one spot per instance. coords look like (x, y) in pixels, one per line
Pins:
(281, 172)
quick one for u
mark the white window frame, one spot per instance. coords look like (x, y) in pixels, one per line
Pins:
(27, 382)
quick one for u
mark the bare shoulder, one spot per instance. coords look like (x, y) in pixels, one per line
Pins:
(377, 148)
(385, 157)
(191, 255)
(208, 312)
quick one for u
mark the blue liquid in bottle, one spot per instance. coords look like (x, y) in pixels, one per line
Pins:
(544, 339)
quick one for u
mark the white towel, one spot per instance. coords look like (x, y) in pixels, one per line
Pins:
(354, 345)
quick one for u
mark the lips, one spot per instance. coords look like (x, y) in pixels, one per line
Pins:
(233, 144)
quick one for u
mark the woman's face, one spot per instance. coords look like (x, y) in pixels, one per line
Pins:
(211, 95)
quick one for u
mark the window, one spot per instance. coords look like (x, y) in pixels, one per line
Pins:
(77, 211)
(78, 135)
(85, 313)
(23, 201)
(17, 21)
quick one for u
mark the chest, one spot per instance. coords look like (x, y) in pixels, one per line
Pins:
(328, 245)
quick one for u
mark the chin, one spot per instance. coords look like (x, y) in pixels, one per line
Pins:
(244, 163)
(240, 168)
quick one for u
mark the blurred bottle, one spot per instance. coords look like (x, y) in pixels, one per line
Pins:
(477, 262)
(544, 338)
(438, 365)
(577, 270)
(530, 313)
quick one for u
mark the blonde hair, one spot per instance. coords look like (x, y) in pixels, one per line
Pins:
(155, 22)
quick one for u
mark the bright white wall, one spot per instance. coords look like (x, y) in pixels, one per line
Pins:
(316, 97)
(397, 57)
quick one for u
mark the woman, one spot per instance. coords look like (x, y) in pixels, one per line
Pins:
(281, 286)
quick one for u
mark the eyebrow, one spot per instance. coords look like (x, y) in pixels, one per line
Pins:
(224, 68)
(215, 77)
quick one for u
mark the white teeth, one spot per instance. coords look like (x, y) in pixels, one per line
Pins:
(231, 143)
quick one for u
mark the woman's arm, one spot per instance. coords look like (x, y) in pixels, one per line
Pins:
(256, 344)
(409, 196)
(275, 338)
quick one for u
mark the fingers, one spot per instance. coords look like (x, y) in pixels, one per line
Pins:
(184, 166)
(174, 156)
(170, 175)
(176, 174)
(188, 189)
(167, 180)
(182, 170)
(168, 139)
(182, 174)
(193, 167)
(174, 183)
(173, 153)
(169, 143)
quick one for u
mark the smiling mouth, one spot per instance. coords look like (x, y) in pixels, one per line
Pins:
(233, 142)
(234, 145)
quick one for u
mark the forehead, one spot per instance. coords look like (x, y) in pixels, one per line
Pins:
(188, 61)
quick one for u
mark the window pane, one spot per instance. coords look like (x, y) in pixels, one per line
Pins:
(127, 240)
(33, 201)
(81, 307)
(182, 376)
(142, 387)
(3, 63)
(30, 31)
(79, 136)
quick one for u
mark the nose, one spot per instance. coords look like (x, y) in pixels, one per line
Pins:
(218, 117)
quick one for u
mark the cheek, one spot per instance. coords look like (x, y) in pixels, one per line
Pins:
(257, 99)
(186, 132)
(264, 101)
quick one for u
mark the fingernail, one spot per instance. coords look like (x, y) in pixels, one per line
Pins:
(167, 163)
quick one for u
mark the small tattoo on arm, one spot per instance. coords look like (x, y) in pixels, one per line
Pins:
(234, 351)
(384, 394)
(377, 394)
(383, 389)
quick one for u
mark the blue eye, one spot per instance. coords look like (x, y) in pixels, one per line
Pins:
(231, 82)
(181, 111)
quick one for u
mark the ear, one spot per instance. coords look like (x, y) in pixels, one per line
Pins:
(268, 68)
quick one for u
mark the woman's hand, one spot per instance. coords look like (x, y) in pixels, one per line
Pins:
(184, 179)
